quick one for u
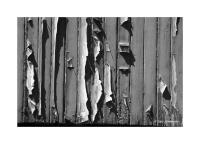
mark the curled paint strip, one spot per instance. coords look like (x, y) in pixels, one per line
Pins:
(31, 80)
(174, 80)
(126, 23)
(164, 90)
(83, 111)
(96, 91)
(107, 83)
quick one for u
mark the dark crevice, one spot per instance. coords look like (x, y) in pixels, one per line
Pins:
(31, 58)
(177, 24)
(125, 71)
(100, 55)
(30, 21)
(45, 36)
(128, 26)
(166, 94)
(60, 40)
(128, 57)
(90, 66)
(100, 33)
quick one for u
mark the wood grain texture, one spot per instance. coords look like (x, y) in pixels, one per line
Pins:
(123, 97)
(59, 54)
(150, 67)
(32, 35)
(164, 59)
(137, 72)
(71, 73)
(20, 62)
(110, 30)
(177, 47)
(45, 58)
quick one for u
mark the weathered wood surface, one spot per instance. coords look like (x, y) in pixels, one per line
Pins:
(150, 68)
(20, 62)
(57, 46)
(137, 72)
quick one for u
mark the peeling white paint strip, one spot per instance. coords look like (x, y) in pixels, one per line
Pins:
(164, 90)
(174, 26)
(174, 80)
(30, 71)
(96, 91)
(30, 77)
(149, 108)
(107, 83)
(123, 19)
(83, 53)
(162, 86)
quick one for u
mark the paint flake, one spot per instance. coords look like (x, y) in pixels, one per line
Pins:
(96, 91)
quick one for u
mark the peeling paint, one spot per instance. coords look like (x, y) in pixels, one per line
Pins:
(149, 112)
(166, 109)
(32, 79)
(174, 80)
(30, 74)
(70, 63)
(123, 19)
(32, 105)
(96, 91)
(98, 29)
(126, 53)
(164, 89)
(45, 36)
(30, 21)
(52, 100)
(175, 23)
(174, 27)
(59, 37)
(96, 48)
(83, 53)
(107, 83)
(126, 23)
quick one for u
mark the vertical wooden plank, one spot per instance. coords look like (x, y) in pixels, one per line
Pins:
(40, 69)
(180, 70)
(82, 111)
(99, 64)
(59, 65)
(20, 62)
(177, 52)
(71, 70)
(52, 101)
(57, 76)
(45, 66)
(110, 30)
(137, 79)
(32, 36)
(123, 67)
(164, 61)
(150, 70)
